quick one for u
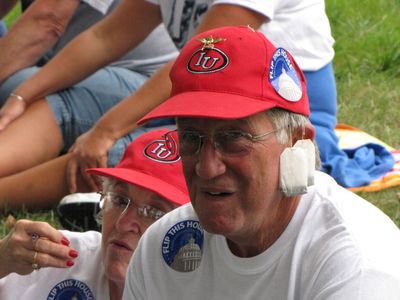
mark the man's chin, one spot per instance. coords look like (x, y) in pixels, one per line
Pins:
(116, 271)
(217, 224)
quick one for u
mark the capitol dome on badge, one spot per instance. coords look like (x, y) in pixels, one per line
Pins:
(287, 88)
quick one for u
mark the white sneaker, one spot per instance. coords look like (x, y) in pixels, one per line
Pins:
(77, 212)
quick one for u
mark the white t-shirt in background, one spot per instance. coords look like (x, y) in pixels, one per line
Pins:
(300, 26)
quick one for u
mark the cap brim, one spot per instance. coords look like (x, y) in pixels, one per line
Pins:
(208, 105)
(165, 190)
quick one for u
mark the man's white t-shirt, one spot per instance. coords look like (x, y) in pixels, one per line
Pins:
(300, 26)
(337, 246)
(84, 280)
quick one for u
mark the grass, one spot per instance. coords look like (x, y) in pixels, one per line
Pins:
(46, 216)
(367, 69)
(13, 14)
(367, 65)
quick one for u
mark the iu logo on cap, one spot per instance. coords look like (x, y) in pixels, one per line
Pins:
(208, 59)
(158, 151)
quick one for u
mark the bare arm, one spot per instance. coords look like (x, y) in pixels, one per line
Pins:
(98, 46)
(33, 34)
(6, 6)
(230, 15)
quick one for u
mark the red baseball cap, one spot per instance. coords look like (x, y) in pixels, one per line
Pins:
(230, 73)
(148, 163)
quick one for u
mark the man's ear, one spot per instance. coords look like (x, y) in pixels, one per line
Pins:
(307, 133)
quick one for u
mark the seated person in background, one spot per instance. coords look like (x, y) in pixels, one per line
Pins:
(262, 222)
(301, 26)
(146, 184)
(40, 33)
(47, 26)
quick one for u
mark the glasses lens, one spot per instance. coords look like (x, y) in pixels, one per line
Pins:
(189, 141)
(150, 212)
(233, 142)
(116, 202)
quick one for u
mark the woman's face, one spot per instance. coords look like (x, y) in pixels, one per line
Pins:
(122, 228)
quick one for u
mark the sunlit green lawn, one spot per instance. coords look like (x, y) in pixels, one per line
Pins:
(367, 69)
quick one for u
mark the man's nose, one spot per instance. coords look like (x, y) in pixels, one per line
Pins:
(209, 161)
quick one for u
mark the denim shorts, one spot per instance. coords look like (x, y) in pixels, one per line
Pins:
(3, 28)
(78, 108)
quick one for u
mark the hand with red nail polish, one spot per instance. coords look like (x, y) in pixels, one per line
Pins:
(35, 242)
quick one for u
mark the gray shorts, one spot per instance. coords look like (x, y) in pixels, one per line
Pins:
(78, 108)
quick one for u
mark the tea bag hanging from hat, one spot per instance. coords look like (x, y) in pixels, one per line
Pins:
(297, 166)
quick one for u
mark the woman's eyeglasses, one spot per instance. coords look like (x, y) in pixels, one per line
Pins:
(119, 204)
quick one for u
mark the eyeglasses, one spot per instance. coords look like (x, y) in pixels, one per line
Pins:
(119, 204)
(227, 142)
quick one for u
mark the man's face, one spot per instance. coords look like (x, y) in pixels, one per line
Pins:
(236, 196)
(121, 232)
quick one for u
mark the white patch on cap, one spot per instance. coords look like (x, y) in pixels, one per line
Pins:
(283, 77)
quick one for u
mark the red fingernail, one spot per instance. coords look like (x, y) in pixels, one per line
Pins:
(73, 253)
(70, 263)
(64, 241)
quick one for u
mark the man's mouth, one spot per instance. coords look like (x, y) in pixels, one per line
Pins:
(121, 244)
(218, 193)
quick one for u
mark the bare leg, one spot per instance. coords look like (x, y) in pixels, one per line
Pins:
(30, 140)
(41, 187)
